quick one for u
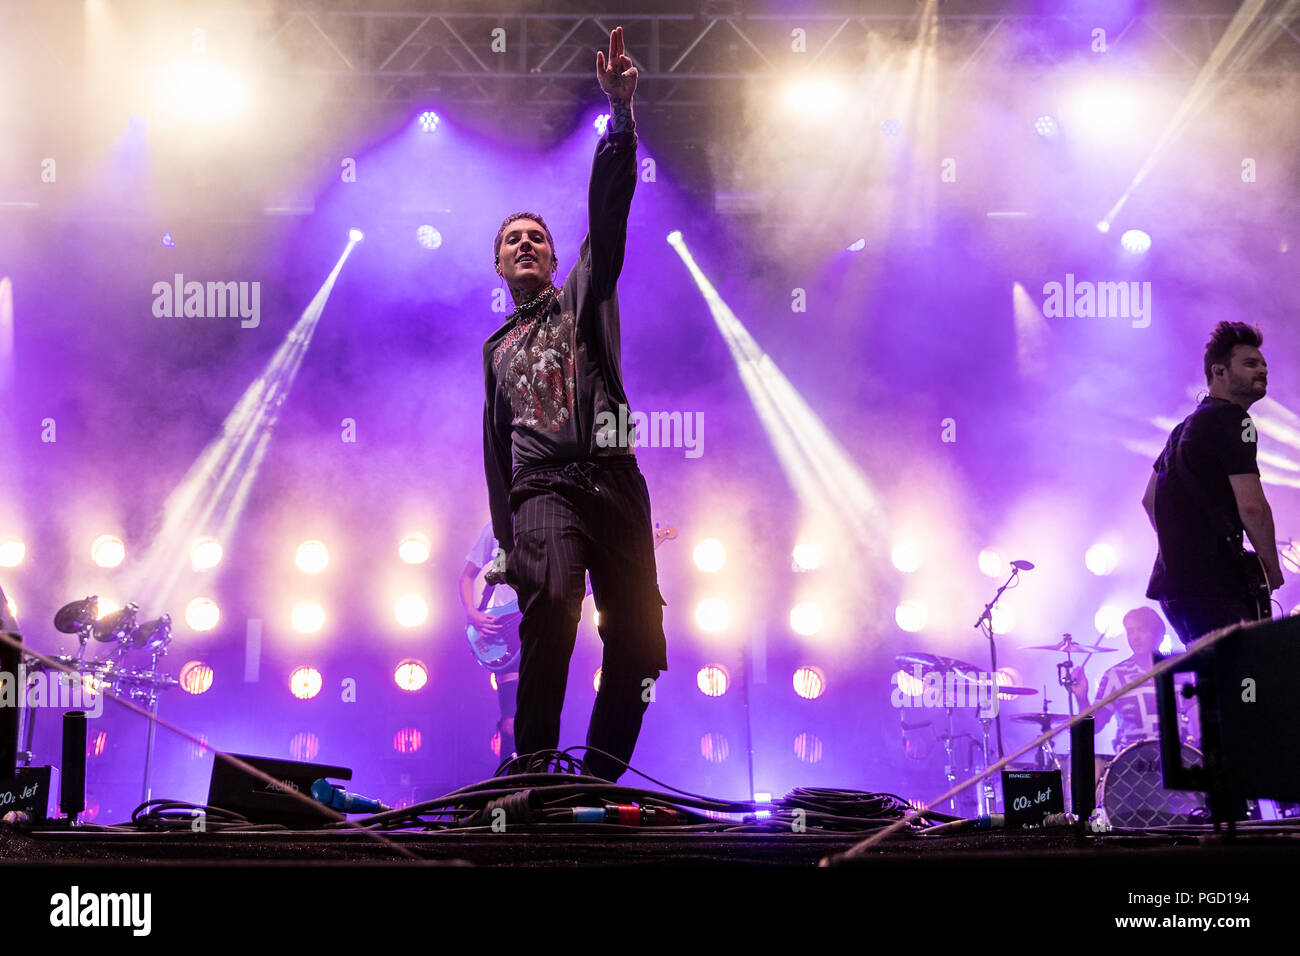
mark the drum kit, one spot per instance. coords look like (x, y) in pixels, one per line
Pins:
(1129, 784)
(110, 674)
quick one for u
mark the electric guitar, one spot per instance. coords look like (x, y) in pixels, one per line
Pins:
(500, 652)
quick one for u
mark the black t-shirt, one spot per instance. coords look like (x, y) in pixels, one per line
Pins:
(1195, 509)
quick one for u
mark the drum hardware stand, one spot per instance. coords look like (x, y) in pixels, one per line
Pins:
(950, 764)
(988, 797)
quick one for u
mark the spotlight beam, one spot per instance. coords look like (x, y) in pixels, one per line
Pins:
(824, 477)
(214, 490)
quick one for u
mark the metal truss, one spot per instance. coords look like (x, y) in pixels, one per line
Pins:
(690, 59)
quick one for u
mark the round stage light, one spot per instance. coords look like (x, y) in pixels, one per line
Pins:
(1135, 241)
(1109, 620)
(1103, 226)
(806, 618)
(807, 556)
(857, 245)
(906, 557)
(205, 554)
(12, 552)
(428, 237)
(304, 745)
(808, 747)
(1045, 126)
(312, 557)
(1007, 677)
(196, 677)
(712, 680)
(414, 548)
(891, 127)
(307, 617)
(909, 684)
(411, 610)
(428, 121)
(107, 551)
(305, 682)
(355, 235)
(1100, 559)
(910, 616)
(407, 740)
(411, 674)
(991, 563)
(709, 555)
(809, 682)
(714, 747)
(600, 124)
(712, 615)
(201, 614)
(200, 92)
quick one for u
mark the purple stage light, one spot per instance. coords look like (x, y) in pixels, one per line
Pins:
(808, 747)
(168, 241)
(196, 677)
(1135, 241)
(712, 679)
(305, 682)
(304, 745)
(428, 121)
(714, 747)
(857, 245)
(1046, 127)
(809, 682)
(428, 237)
(600, 123)
(407, 740)
(891, 127)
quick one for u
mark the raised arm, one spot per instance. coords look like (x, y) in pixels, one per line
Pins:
(613, 171)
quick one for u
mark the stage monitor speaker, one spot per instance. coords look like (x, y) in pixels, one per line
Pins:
(234, 788)
(11, 693)
(1248, 690)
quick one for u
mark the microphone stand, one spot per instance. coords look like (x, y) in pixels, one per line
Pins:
(985, 625)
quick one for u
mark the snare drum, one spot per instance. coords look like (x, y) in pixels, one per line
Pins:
(1132, 789)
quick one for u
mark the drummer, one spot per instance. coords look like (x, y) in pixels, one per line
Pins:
(1135, 712)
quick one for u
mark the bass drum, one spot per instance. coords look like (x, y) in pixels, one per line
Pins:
(1132, 789)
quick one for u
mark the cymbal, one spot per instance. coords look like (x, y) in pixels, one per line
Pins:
(74, 616)
(1069, 644)
(116, 626)
(1045, 720)
(1016, 691)
(934, 662)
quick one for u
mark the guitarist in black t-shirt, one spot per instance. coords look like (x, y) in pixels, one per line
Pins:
(1205, 491)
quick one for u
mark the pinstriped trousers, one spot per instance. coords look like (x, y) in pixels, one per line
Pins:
(570, 518)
